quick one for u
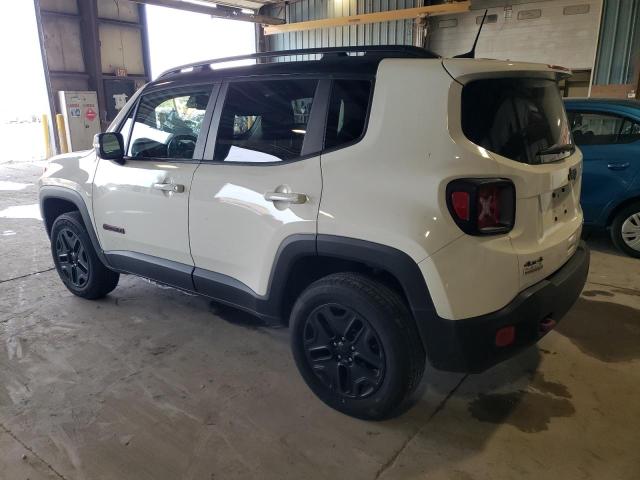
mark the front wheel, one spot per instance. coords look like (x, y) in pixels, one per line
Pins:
(356, 345)
(76, 261)
(625, 230)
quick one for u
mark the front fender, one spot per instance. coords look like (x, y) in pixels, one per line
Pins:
(52, 192)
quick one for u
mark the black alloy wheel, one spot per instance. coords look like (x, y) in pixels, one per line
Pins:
(344, 351)
(72, 258)
(76, 260)
(356, 345)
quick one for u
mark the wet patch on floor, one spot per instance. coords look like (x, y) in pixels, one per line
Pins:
(597, 293)
(539, 383)
(607, 331)
(547, 352)
(529, 412)
(627, 291)
(163, 349)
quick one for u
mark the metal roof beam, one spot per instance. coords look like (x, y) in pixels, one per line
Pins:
(215, 10)
(390, 15)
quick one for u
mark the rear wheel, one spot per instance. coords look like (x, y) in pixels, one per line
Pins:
(625, 230)
(356, 345)
(76, 261)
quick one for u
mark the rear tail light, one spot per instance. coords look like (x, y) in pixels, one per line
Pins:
(482, 206)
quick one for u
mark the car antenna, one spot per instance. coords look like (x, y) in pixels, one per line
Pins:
(472, 53)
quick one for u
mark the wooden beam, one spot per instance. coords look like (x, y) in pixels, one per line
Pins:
(217, 11)
(443, 9)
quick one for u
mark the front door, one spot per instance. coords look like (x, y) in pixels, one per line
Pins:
(261, 185)
(141, 207)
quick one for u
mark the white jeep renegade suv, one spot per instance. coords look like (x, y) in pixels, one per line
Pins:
(390, 206)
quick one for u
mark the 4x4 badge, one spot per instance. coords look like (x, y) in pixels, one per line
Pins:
(533, 266)
(573, 174)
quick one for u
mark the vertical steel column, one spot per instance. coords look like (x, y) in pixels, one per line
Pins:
(90, 32)
(47, 76)
(146, 54)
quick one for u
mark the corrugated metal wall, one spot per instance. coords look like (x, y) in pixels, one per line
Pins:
(619, 44)
(386, 33)
(560, 32)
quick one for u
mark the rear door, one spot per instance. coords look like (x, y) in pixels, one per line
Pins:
(259, 182)
(141, 207)
(610, 143)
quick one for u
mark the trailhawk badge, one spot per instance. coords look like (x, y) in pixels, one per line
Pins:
(533, 266)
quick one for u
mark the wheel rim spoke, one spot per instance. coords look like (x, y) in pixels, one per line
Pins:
(72, 258)
(345, 383)
(344, 351)
(630, 231)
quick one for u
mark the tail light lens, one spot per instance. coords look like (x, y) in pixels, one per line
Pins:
(482, 206)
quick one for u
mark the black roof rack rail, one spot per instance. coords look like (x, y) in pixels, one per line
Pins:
(379, 50)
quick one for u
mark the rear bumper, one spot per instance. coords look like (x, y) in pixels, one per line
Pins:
(469, 345)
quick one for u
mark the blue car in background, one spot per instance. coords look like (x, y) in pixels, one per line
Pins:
(608, 133)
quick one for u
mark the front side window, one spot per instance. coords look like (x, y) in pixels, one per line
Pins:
(264, 121)
(347, 112)
(602, 129)
(518, 118)
(167, 124)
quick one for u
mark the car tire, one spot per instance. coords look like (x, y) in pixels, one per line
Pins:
(356, 345)
(625, 230)
(76, 261)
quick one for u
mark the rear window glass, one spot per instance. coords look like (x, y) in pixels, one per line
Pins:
(347, 112)
(517, 118)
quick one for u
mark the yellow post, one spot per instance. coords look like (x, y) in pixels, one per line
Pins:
(48, 151)
(62, 133)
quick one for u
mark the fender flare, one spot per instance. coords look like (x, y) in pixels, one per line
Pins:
(297, 247)
(48, 192)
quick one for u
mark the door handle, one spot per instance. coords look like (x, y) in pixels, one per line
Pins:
(618, 166)
(288, 197)
(169, 187)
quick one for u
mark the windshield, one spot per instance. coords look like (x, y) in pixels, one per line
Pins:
(519, 118)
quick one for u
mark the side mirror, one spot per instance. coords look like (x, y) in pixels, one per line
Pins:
(109, 146)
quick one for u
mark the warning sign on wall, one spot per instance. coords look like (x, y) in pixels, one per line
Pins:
(90, 114)
(82, 118)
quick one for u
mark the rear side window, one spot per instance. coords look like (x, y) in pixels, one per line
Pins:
(517, 118)
(348, 109)
(264, 121)
(602, 129)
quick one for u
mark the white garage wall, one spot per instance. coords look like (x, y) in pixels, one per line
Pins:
(554, 38)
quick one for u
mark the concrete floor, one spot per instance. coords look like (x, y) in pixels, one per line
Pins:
(152, 383)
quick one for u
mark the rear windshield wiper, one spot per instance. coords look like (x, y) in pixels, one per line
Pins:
(555, 149)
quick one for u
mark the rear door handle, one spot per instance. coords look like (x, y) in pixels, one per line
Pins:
(618, 166)
(169, 187)
(287, 197)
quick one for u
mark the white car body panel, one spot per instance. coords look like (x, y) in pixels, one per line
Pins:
(156, 222)
(74, 171)
(235, 231)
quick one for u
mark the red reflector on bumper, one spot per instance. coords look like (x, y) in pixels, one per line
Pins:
(505, 336)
